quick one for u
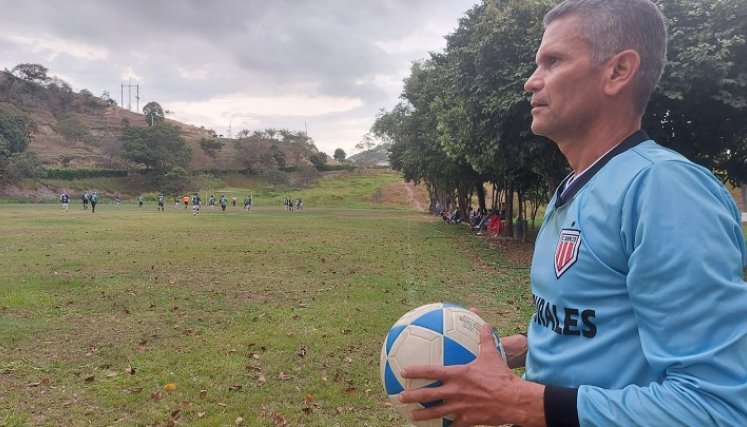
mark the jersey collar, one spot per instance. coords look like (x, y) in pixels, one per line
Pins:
(563, 194)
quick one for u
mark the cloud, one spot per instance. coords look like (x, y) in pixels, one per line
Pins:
(329, 63)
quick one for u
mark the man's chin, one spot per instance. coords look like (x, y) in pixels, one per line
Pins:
(538, 129)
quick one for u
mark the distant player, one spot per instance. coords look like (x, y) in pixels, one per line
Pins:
(211, 202)
(117, 200)
(195, 204)
(65, 200)
(94, 200)
(223, 203)
(140, 201)
(85, 198)
(185, 200)
(161, 201)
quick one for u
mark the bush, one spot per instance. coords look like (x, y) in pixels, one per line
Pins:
(71, 173)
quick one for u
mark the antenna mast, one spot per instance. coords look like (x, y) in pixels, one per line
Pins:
(129, 87)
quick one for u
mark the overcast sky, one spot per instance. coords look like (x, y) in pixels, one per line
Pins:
(327, 65)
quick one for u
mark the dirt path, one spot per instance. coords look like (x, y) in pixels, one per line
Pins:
(410, 191)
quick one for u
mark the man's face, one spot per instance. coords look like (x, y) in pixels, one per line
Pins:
(566, 87)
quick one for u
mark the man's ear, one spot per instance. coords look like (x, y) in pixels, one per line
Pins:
(621, 70)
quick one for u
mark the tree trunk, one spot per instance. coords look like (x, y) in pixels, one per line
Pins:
(509, 229)
(480, 196)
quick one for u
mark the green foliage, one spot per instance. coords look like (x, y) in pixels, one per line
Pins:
(19, 166)
(15, 130)
(306, 175)
(175, 181)
(159, 147)
(340, 155)
(153, 113)
(701, 102)
(276, 178)
(211, 146)
(71, 173)
(319, 160)
(33, 73)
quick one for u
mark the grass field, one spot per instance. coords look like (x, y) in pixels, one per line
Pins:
(131, 317)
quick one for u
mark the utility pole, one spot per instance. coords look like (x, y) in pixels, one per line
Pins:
(129, 95)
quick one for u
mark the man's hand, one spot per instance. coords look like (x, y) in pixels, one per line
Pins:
(482, 392)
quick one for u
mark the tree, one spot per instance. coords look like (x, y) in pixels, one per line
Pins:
(339, 155)
(15, 135)
(160, 147)
(306, 175)
(319, 160)
(211, 147)
(276, 178)
(700, 105)
(33, 73)
(153, 113)
(256, 155)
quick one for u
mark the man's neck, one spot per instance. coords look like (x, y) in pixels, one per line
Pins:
(583, 150)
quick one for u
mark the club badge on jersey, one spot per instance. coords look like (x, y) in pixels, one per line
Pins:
(566, 253)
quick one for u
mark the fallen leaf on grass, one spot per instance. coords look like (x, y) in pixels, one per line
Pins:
(239, 421)
(201, 414)
(261, 379)
(302, 351)
(130, 370)
(33, 385)
(89, 378)
(235, 387)
(285, 377)
(155, 396)
(203, 394)
(170, 387)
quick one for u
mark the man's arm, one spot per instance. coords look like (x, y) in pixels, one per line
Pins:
(515, 348)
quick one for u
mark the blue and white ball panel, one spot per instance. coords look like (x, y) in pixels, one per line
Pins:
(434, 334)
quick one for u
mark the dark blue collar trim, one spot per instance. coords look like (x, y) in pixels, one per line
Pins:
(562, 197)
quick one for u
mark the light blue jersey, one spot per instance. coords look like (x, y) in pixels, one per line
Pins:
(640, 297)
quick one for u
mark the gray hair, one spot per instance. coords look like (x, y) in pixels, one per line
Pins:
(611, 26)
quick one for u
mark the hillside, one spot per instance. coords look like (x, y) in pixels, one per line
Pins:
(378, 156)
(101, 124)
(80, 130)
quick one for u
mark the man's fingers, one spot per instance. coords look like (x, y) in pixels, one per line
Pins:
(425, 371)
(437, 411)
(487, 342)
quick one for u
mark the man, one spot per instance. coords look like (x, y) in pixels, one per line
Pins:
(94, 200)
(640, 315)
(223, 203)
(65, 200)
(196, 204)
(161, 201)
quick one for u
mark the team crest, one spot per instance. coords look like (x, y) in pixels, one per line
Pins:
(566, 253)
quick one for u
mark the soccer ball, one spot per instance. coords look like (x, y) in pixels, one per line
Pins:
(433, 334)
